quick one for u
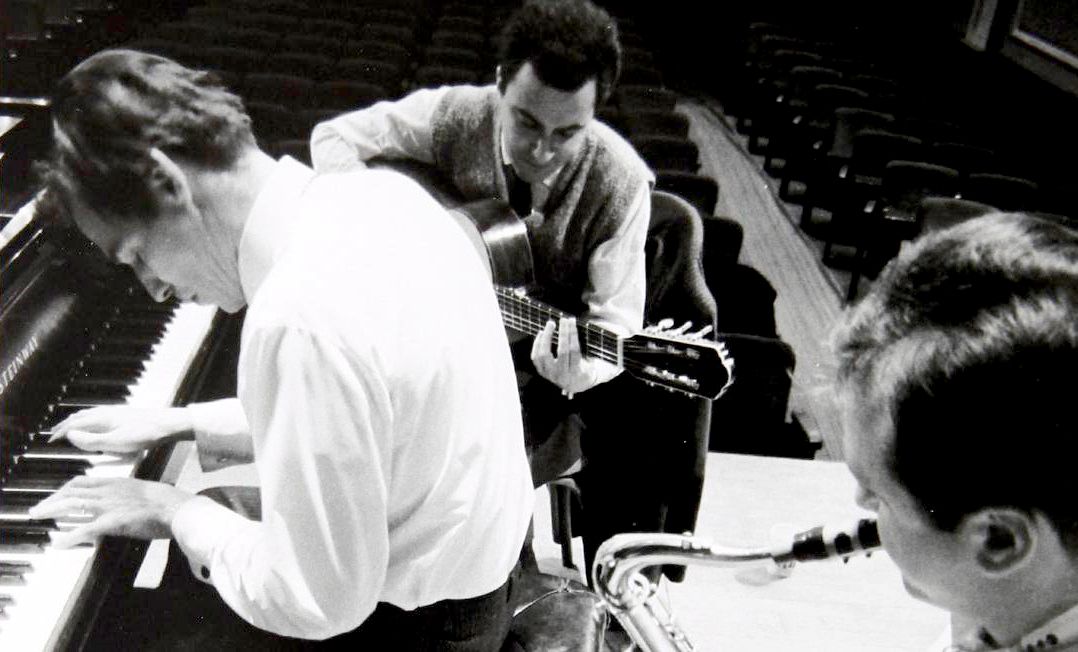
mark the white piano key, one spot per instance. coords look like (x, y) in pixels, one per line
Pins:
(172, 356)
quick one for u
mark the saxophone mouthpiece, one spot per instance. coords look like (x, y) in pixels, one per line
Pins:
(822, 543)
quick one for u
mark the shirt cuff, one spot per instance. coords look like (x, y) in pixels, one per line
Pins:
(222, 435)
(202, 526)
(331, 153)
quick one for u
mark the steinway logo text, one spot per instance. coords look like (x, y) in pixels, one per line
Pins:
(15, 365)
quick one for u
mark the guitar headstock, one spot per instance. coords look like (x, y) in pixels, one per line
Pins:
(679, 362)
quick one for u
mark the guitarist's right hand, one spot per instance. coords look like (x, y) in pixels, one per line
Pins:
(568, 369)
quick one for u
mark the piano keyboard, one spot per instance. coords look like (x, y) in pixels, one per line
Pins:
(141, 358)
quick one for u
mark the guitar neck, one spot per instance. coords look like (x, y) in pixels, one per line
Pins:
(526, 315)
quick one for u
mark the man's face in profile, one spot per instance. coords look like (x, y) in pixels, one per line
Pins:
(544, 126)
(933, 563)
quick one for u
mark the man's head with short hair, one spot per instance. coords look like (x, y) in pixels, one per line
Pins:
(558, 61)
(957, 369)
(568, 42)
(114, 107)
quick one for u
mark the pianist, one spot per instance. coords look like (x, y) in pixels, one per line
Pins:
(957, 374)
(376, 384)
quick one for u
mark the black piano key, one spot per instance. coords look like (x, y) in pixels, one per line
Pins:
(118, 359)
(58, 412)
(132, 342)
(103, 387)
(49, 468)
(114, 370)
(41, 486)
(21, 547)
(60, 449)
(15, 498)
(34, 525)
(151, 308)
(26, 533)
(13, 573)
(139, 350)
(84, 400)
(137, 325)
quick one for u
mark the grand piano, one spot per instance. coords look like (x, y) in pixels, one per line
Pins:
(77, 332)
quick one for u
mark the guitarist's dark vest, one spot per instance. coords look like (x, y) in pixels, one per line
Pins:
(588, 202)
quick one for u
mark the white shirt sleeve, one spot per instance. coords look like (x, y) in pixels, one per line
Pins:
(222, 436)
(617, 279)
(395, 130)
(316, 563)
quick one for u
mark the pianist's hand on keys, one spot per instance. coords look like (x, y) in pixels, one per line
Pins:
(123, 428)
(141, 509)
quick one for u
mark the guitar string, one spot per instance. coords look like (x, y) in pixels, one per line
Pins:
(531, 328)
(534, 327)
(631, 365)
(594, 350)
(519, 313)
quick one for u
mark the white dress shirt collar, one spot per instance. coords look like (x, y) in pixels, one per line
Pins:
(265, 233)
(1059, 633)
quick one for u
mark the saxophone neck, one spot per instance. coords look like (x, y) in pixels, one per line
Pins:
(622, 556)
(633, 600)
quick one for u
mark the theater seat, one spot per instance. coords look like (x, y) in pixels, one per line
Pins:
(301, 64)
(288, 90)
(1005, 192)
(435, 76)
(657, 123)
(347, 95)
(699, 190)
(669, 431)
(634, 98)
(667, 153)
(386, 74)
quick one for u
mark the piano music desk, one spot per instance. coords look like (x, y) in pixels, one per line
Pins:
(860, 606)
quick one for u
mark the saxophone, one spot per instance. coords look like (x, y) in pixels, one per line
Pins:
(634, 600)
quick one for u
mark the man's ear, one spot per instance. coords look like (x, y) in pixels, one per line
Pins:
(168, 181)
(1001, 539)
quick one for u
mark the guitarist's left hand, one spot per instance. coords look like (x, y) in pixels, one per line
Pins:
(568, 369)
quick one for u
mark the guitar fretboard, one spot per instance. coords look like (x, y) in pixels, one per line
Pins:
(529, 316)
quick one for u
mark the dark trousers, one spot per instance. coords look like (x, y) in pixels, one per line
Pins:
(643, 452)
(187, 615)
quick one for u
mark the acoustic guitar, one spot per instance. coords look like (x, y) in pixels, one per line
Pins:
(659, 356)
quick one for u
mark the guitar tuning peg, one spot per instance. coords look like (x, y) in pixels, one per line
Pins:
(700, 333)
(664, 324)
(680, 330)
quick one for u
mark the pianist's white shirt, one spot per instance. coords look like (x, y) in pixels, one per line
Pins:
(376, 378)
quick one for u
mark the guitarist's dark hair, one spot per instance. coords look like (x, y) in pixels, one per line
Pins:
(567, 42)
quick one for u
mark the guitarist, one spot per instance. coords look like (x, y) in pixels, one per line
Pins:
(583, 192)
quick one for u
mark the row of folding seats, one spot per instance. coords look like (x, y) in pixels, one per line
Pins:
(844, 126)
